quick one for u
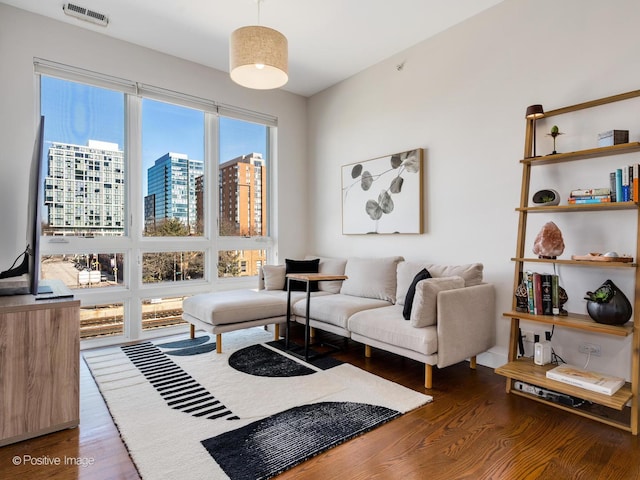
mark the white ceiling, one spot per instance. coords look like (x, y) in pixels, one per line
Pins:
(329, 40)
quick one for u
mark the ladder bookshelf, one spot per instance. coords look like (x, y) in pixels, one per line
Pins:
(616, 411)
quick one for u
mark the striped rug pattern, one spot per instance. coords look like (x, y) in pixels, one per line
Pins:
(177, 387)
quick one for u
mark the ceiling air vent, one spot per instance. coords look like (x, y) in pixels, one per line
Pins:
(85, 14)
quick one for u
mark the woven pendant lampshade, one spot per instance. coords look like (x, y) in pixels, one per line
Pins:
(258, 57)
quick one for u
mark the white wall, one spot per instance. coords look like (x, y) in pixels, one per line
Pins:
(462, 97)
(24, 36)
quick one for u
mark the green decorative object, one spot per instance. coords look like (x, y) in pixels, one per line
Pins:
(555, 131)
(546, 197)
(608, 305)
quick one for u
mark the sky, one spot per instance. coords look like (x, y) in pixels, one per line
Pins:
(75, 113)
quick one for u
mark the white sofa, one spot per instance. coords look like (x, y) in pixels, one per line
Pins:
(452, 317)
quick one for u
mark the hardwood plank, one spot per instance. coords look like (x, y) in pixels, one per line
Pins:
(472, 430)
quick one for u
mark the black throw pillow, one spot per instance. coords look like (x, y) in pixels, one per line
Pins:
(408, 301)
(301, 266)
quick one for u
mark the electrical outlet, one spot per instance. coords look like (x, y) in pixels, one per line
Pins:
(591, 348)
(527, 336)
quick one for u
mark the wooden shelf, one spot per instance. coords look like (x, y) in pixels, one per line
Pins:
(629, 419)
(525, 370)
(584, 263)
(576, 321)
(583, 154)
(588, 207)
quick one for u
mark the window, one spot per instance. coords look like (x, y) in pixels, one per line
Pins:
(173, 169)
(129, 176)
(242, 178)
(84, 182)
(84, 270)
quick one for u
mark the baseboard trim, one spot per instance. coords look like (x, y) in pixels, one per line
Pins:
(494, 357)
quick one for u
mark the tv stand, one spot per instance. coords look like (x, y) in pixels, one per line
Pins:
(39, 365)
(15, 285)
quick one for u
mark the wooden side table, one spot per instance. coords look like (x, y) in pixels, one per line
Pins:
(307, 278)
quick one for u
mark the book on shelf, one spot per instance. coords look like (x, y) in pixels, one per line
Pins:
(636, 182)
(592, 199)
(590, 192)
(555, 295)
(542, 293)
(528, 278)
(537, 293)
(545, 286)
(579, 377)
(619, 185)
(612, 183)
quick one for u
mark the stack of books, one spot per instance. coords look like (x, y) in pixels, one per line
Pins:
(624, 184)
(542, 293)
(590, 195)
(593, 381)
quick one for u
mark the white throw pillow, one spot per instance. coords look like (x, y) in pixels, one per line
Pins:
(424, 311)
(274, 277)
(371, 278)
(330, 266)
(471, 272)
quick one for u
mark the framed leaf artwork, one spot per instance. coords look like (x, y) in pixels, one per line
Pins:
(383, 195)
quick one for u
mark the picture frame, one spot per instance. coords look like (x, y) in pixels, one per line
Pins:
(383, 195)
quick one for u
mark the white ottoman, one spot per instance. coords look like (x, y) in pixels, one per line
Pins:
(221, 312)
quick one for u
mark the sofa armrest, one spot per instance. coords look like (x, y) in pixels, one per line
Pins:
(465, 323)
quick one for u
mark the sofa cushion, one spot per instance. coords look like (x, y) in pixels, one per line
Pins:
(372, 278)
(471, 273)
(388, 326)
(422, 275)
(234, 306)
(302, 266)
(330, 266)
(336, 309)
(274, 277)
(424, 311)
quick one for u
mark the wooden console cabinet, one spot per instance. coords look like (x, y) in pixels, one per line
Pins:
(39, 366)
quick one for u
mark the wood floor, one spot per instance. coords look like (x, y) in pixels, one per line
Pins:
(472, 430)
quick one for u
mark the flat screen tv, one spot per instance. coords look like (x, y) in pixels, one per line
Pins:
(24, 275)
(36, 202)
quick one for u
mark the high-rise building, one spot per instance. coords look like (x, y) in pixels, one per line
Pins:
(85, 189)
(243, 202)
(243, 196)
(171, 186)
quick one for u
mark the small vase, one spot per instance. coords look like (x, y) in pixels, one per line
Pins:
(617, 311)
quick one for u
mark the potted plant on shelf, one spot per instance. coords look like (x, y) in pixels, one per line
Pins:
(607, 304)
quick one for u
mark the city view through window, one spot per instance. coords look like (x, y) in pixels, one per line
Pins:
(87, 195)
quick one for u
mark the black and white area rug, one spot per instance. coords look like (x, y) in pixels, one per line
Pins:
(252, 412)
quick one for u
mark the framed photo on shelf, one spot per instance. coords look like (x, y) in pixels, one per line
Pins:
(383, 195)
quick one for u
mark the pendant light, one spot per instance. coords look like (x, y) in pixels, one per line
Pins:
(258, 57)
